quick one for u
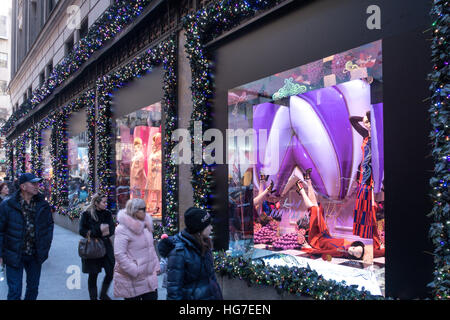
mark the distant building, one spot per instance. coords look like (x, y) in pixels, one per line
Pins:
(5, 65)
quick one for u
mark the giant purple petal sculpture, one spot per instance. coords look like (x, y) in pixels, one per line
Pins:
(330, 106)
(263, 115)
(357, 97)
(277, 157)
(312, 134)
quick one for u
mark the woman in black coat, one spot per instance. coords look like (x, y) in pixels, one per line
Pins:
(99, 223)
(190, 266)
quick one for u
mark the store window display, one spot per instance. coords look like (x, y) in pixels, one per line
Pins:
(78, 161)
(139, 158)
(315, 163)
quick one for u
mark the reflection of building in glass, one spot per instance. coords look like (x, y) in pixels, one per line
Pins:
(78, 162)
(138, 158)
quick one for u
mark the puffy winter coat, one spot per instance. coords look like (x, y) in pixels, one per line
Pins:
(137, 264)
(12, 229)
(190, 275)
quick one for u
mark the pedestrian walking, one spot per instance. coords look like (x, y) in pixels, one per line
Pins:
(4, 191)
(137, 264)
(190, 267)
(26, 233)
(11, 185)
(98, 222)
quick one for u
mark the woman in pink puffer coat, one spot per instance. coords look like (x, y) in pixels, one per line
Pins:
(137, 265)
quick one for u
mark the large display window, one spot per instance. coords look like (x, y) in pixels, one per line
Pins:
(47, 168)
(306, 167)
(78, 164)
(139, 158)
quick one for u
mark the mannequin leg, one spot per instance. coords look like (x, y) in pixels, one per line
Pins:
(301, 191)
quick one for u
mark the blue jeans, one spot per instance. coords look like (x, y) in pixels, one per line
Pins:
(14, 278)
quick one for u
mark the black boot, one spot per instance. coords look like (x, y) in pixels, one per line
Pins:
(92, 286)
(299, 186)
(93, 293)
(105, 287)
(307, 174)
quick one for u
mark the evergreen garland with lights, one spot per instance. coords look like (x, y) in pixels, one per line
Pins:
(162, 54)
(36, 159)
(9, 160)
(118, 16)
(439, 111)
(292, 280)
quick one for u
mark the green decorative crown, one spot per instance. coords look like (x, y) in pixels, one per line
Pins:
(289, 89)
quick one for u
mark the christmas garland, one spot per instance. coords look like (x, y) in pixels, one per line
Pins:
(90, 119)
(292, 280)
(112, 22)
(165, 54)
(19, 148)
(85, 100)
(439, 111)
(201, 27)
(57, 121)
(36, 140)
(9, 159)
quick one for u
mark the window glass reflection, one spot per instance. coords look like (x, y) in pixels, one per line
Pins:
(78, 162)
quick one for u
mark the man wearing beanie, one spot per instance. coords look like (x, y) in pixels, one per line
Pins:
(190, 267)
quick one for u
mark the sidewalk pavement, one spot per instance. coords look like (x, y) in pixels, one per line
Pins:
(60, 269)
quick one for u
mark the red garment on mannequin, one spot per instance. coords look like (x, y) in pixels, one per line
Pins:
(319, 237)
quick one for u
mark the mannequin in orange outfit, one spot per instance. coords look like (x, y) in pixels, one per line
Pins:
(319, 238)
(137, 171)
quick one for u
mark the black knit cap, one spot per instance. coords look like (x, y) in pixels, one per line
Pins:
(196, 220)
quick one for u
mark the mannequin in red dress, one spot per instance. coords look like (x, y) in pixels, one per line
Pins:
(365, 222)
(319, 238)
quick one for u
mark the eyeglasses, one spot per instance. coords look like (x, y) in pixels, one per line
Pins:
(142, 208)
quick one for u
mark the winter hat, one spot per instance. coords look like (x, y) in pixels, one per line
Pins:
(196, 220)
(28, 177)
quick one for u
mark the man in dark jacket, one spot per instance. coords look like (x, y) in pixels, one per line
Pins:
(26, 233)
(190, 265)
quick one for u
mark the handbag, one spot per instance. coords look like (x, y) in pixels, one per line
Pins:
(91, 248)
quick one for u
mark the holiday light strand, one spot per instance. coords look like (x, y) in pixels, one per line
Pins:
(292, 280)
(439, 111)
(115, 18)
(164, 53)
